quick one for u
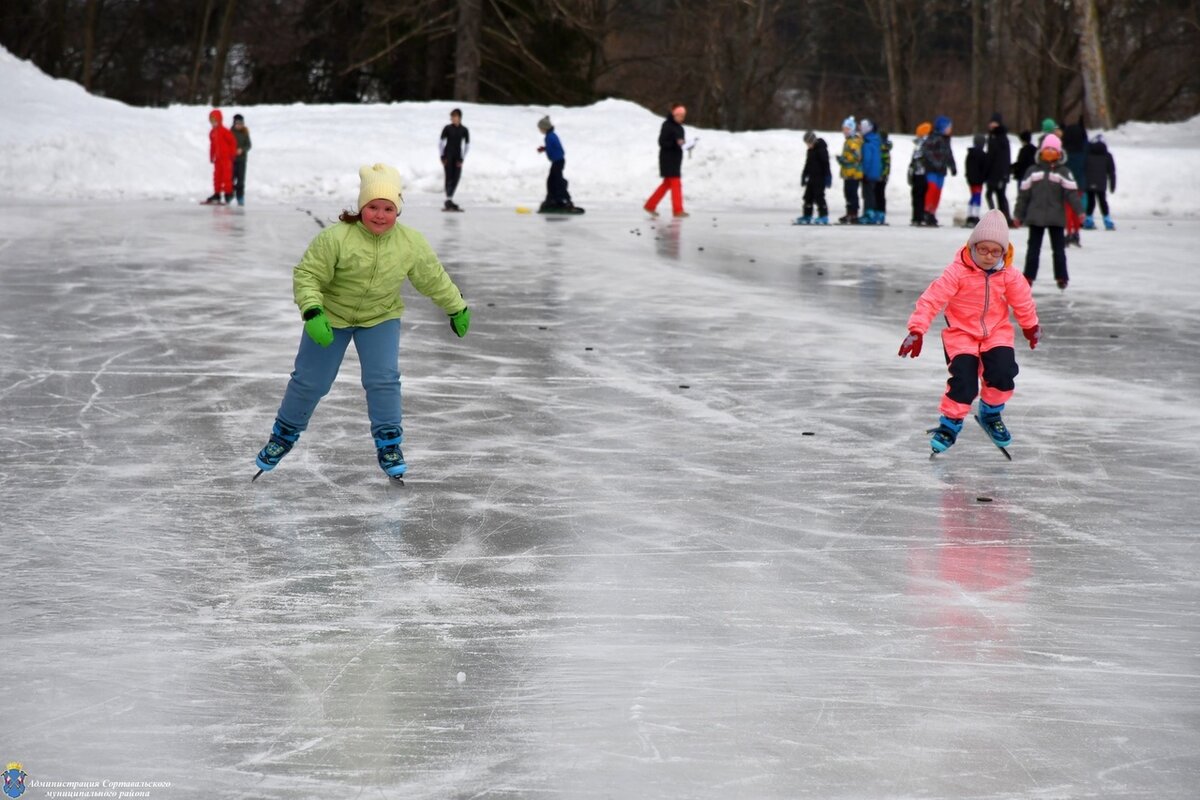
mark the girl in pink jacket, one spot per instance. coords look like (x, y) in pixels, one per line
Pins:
(976, 291)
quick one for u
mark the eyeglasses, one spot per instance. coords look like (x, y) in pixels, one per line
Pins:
(991, 252)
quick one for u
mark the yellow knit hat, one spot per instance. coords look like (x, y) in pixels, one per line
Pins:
(379, 182)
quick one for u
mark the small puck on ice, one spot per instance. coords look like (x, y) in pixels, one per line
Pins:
(1112, 336)
(983, 499)
(685, 386)
(587, 348)
(807, 433)
(542, 328)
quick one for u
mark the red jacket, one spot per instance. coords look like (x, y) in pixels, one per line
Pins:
(976, 303)
(221, 142)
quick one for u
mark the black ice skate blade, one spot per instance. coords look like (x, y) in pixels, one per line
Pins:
(396, 480)
(260, 472)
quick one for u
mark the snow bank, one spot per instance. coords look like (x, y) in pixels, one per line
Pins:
(58, 139)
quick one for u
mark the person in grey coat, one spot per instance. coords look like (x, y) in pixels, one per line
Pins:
(1046, 191)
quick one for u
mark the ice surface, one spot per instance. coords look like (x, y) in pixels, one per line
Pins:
(597, 583)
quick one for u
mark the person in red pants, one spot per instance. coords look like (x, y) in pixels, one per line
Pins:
(671, 144)
(222, 149)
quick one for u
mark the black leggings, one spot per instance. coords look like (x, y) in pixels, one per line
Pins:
(814, 195)
(453, 173)
(1033, 252)
(1097, 197)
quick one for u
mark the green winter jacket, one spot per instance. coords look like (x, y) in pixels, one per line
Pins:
(356, 276)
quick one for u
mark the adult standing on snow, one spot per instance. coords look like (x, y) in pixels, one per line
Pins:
(999, 164)
(671, 143)
(455, 142)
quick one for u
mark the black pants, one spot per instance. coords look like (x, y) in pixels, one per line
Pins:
(556, 185)
(814, 195)
(997, 197)
(881, 196)
(453, 173)
(870, 196)
(239, 177)
(850, 189)
(1033, 252)
(999, 372)
(918, 198)
(1094, 197)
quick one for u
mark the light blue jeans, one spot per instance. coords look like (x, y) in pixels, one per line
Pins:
(378, 351)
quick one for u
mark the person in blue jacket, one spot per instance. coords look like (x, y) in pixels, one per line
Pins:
(558, 199)
(872, 167)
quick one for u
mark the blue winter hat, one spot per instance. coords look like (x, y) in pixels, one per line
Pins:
(849, 122)
(941, 124)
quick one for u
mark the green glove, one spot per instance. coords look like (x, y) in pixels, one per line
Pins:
(460, 322)
(316, 325)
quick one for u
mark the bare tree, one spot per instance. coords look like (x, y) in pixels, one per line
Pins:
(223, 42)
(466, 51)
(199, 46)
(1091, 63)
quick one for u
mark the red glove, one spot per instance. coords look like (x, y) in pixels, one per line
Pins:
(1034, 335)
(541, 149)
(1016, 223)
(911, 345)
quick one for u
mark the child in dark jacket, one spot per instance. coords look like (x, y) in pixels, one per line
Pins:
(242, 135)
(1048, 190)
(1101, 179)
(977, 169)
(939, 158)
(816, 178)
(916, 173)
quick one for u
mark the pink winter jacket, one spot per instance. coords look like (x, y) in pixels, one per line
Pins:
(976, 304)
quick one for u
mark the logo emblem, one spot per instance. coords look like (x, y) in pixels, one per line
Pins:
(14, 780)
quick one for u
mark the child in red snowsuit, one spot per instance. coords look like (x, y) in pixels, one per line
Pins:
(976, 291)
(222, 149)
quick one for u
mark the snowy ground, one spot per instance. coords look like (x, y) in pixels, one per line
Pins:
(649, 590)
(61, 142)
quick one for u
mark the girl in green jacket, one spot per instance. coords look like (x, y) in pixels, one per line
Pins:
(347, 286)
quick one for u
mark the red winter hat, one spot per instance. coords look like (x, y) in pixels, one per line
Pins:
(216, 114)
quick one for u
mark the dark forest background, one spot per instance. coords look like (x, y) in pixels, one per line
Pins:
(737, 64)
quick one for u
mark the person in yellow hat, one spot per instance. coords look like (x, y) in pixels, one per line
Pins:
(347, 287)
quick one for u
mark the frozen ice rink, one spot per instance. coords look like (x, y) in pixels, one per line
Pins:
(670, 530)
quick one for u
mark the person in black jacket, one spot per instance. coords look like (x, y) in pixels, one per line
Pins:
(1075, 144)
(671, 143)
(1101, 179)
(816, 178)
(455, 142)
(1026, 156)
(999, 164)
(977, 169)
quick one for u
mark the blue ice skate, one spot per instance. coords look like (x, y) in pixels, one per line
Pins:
(821, 221)
(1089, 224)
(1109, 225)
(387, 444)
(283, 438)
(945, 434)
(805, 220)
(989, 418)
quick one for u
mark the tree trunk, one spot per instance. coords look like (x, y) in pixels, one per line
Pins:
(466, 52)
(198, 50)
(223, 41)
(90, 13)
(1091, 64)
(898, 94)
(977, 63)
